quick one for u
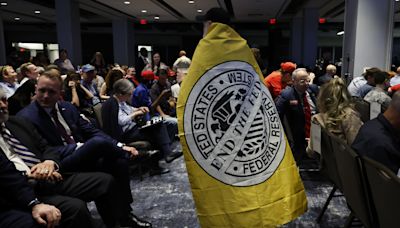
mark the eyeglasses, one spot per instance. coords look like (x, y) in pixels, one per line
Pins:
(304, 81)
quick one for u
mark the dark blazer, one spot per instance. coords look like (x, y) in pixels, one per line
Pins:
(109, 115)
(290, 105)
(13, 186)
(14, 189)
(139, 65)
(27, 134)
(22, 97)
(81, 129)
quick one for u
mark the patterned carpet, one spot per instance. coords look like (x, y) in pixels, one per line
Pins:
(167, 201)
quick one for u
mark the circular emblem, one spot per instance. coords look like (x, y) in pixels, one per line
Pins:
(232, 127)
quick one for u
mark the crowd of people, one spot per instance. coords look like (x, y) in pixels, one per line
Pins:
(56, 155)
(331, 103)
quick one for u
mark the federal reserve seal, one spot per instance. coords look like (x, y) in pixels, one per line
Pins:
(232, 127)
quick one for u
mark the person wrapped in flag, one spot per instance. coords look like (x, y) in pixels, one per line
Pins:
(240, 166)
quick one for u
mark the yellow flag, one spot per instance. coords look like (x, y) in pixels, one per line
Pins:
(240, 166)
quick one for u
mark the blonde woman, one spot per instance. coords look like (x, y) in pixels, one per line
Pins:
(337, 114)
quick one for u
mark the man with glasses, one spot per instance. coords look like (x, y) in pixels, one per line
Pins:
(298, 103)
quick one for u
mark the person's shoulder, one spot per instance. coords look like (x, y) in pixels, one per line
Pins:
(28, 110)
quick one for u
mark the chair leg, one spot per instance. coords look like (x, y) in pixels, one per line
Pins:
(349, 220)
(331, 194)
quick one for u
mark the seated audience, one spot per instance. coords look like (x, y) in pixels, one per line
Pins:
(329, 75)
(99, 64)
(298, 103)
(81, 146)
(120, 121)
(26, 90)
(378, 93)
(26, 157)
(278, 80)
(379, 137)
(131, 76)
(337, 114)
(107, 87)
(63, 63)
(260, 62)
(156, 64)
(8, 80)
(369, 77)
(89, 82)
(175, 89)
(395, 80)
(77, 94)
(164, 108)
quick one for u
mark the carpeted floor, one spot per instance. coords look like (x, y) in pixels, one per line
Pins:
(167, 201)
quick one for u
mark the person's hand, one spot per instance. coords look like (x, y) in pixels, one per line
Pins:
(131, 150)
(144, 109)
(137, 113)
(72, 84)
(43, 170)
(166, 93)
(45, 214)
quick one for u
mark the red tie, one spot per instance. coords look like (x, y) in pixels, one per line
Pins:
(307, 115)
(67, 138)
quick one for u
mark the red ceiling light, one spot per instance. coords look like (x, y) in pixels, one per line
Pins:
(322, 20)
(272, 21)
(143, 21)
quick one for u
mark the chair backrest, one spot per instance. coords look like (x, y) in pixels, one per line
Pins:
(355, 188)
(363, 108)
(385, 191)
(328, 160)
(97, 113)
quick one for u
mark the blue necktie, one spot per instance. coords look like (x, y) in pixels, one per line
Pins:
(24, 153)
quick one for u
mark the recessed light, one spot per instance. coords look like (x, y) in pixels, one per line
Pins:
(127, 2)
(157, 18)
(144, 11)
(3, 3)
(37, 11)
(17, 18)
(199, 10)
(190, 2)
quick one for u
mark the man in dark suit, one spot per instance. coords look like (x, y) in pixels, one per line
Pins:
(27, 210)
(26, 157)
(298, 103)
(141, 61)
(82, 147)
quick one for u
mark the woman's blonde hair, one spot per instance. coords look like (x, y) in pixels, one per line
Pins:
(332, 101)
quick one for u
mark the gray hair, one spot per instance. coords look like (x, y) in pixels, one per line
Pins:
(296, 72)
(122, 87)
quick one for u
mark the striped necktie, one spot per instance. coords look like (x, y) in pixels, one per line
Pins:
(24, 153)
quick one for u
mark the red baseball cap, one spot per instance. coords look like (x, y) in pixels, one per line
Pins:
(148, 74)
(288, 67)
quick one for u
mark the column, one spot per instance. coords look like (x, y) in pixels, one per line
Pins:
(296, 39)
(123, 41)
(69, 29)
(3, 60)
(368, 35)
(310, 36)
